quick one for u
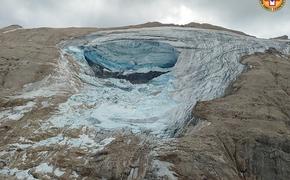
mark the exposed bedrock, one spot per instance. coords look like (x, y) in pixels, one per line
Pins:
(138, 61)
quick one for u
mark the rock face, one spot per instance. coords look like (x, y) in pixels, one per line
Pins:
(10, 28)
(200, 118)
(250, 126)
(285, 37)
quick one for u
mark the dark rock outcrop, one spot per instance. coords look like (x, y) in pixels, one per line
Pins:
(285, 37)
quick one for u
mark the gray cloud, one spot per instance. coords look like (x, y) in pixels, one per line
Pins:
(246, 15)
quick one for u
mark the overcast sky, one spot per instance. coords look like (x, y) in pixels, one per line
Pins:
(245, 15)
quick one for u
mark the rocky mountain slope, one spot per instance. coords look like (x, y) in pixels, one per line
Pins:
(215, 104)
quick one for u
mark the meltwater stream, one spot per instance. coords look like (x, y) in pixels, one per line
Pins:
(150, 79)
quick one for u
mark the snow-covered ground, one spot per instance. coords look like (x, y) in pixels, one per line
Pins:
(208, 61)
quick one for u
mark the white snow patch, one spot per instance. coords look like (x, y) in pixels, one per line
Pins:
(105, 142)
(83, 142)
(19, 174)
(44, 104)
(163, 170)
(17, 112)
(24, 157)
(74, 175)
(44, 168)
(58, 172)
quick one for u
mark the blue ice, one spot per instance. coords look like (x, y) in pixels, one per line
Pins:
(131, 55)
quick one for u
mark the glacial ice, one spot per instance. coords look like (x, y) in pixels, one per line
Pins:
(131, 55)
(198, 65)
(138, 61)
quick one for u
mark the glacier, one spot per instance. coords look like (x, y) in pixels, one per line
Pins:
(181, 66)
